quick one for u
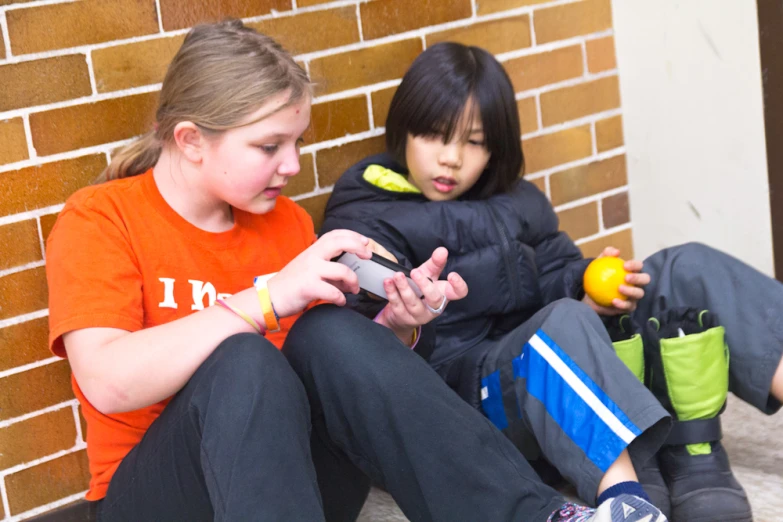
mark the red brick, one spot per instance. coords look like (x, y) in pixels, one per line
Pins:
(496, 36)
(134, 64)
(609, 133)
(35, 389)
(494, 6)
(380, 105)
(304, 181)
(71, 24)
(528, 114)
(47, 222)
(586, 180)
(367, 66)
(47, 482)
(82, 423)
(578, 101)
(19, 244)
(549, 150)
(537, 70)
(333, 162)
(24, 343)
(178, 15)
(601, 55)
(338, 118)
(47, 184)
(315, 206)
(308, 32)
(385, 17)
(14, 142)
(573, 19)
(80, 126)
(43, 81)
(37, 437)
(616, 210)
(622, 240)
(581, 221)
(23, 292)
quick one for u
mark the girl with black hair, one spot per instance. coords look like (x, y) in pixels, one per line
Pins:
(527, 346)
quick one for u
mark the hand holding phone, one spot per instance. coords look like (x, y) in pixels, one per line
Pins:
(372, 272)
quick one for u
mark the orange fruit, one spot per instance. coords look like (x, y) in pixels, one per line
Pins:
(603, 278)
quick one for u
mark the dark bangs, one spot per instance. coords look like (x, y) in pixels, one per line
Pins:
(433, 96)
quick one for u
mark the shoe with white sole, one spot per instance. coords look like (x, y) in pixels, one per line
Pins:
(622, 508)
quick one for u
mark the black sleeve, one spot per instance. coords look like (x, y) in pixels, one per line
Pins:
(560, 263)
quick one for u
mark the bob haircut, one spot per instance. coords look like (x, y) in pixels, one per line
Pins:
(433, 96)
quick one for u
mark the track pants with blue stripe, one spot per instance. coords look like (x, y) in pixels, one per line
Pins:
(556, 388)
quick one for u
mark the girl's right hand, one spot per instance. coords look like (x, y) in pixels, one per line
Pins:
(312, 276)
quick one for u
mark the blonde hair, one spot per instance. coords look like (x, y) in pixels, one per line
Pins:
(222, 73)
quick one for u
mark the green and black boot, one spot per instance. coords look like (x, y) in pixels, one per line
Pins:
(687, 369)
(627, 342)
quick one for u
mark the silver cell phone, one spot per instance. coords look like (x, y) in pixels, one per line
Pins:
(373, 271)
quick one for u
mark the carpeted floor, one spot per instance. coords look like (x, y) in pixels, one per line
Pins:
(755, 445)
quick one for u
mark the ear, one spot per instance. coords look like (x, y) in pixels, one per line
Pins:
(190, 141)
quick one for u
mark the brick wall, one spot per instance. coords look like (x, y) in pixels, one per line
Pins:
(81, 78)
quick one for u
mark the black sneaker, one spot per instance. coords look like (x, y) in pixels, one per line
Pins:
(702, 487)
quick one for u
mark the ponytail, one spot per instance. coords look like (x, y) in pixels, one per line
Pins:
(134, 159)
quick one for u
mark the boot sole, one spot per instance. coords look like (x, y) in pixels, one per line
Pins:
(745, 516)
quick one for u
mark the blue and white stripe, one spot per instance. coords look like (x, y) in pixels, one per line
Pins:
(574, 401)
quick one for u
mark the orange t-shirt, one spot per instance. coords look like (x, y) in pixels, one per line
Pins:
(120, 257)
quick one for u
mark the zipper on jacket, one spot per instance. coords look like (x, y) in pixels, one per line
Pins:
(513, 274)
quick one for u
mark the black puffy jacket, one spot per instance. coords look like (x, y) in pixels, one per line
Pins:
(507, 248)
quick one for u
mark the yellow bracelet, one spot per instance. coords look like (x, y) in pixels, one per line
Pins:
(270, 316)
(249, 320)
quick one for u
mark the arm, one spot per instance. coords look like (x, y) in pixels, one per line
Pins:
(559, 261)
(560, 268)
(122, 371)
(126, 368)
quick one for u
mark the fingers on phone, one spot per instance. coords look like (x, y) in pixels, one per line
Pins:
(459, 288)
(431, 293)
(340, 273)
(408, 296)
(339, 241)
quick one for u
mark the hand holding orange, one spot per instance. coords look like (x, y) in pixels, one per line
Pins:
(603, 278)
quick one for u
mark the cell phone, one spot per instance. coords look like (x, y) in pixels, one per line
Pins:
(373, 271)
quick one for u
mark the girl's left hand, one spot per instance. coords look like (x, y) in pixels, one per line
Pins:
(634, 290)
(406, 311)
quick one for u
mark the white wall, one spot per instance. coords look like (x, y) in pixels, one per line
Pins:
(694, 128)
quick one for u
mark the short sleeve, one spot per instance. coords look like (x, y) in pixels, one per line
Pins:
(306, 227)
(93, 276)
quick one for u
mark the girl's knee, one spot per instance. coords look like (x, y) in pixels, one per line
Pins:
(345, 345)
(248, 361)
(332, 332)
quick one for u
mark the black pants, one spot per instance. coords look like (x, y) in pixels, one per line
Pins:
(236, 442)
